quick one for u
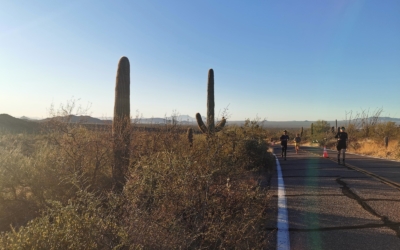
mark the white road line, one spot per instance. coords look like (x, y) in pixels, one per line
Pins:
(283, 242)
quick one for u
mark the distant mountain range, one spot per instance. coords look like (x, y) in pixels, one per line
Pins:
(26, 124)
(77, 119)
(181, 119)
(9, 123)
(307, 124)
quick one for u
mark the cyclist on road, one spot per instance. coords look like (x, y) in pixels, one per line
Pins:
(341, 144)
(284, 140)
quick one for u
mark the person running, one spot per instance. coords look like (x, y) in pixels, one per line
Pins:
(284, 140)
(341, 144)
(297, 141)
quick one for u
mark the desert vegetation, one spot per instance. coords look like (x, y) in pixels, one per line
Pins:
(57, 189)
(119, 186)
(125, 185)
(368, 134)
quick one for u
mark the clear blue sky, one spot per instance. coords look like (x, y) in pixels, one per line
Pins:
(278, 60)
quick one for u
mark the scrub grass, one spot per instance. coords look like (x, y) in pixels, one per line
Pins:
(56, 189)
(378, 149)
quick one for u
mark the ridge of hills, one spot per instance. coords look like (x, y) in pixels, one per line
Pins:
(26, 124)
(85, 119)
(16, 125)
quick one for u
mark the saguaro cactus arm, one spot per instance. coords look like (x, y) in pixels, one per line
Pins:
(220, 125)
(201, 124)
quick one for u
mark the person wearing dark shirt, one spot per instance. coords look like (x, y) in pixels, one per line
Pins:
(284, 140)
(341, 144)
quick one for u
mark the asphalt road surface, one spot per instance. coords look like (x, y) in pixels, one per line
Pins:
(317, 204)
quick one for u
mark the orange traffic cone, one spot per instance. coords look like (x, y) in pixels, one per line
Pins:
(325, 155)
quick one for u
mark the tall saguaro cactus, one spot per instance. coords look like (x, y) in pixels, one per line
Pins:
(121, 124)
(210, 128)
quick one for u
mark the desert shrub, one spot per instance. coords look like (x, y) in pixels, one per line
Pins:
(27, 179)
(200, 197)
(389, 129)
(176, 196)
(367, 131)
(322, 133)
(84, 223)
(318, 133)
(81, 150)
(36, 169)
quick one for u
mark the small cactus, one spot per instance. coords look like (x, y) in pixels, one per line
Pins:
(301, 132)
(336, 124)
(210, 128)
(312, 129)
(190, 136)
(121, 124)
(386, 140)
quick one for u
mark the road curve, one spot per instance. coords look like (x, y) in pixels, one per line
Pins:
(331, 206)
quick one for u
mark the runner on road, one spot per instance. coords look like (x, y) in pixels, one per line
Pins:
(284, 140)
(297, 141)
(341, 144)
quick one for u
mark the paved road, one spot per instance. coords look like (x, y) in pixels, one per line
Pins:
(330, 206)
